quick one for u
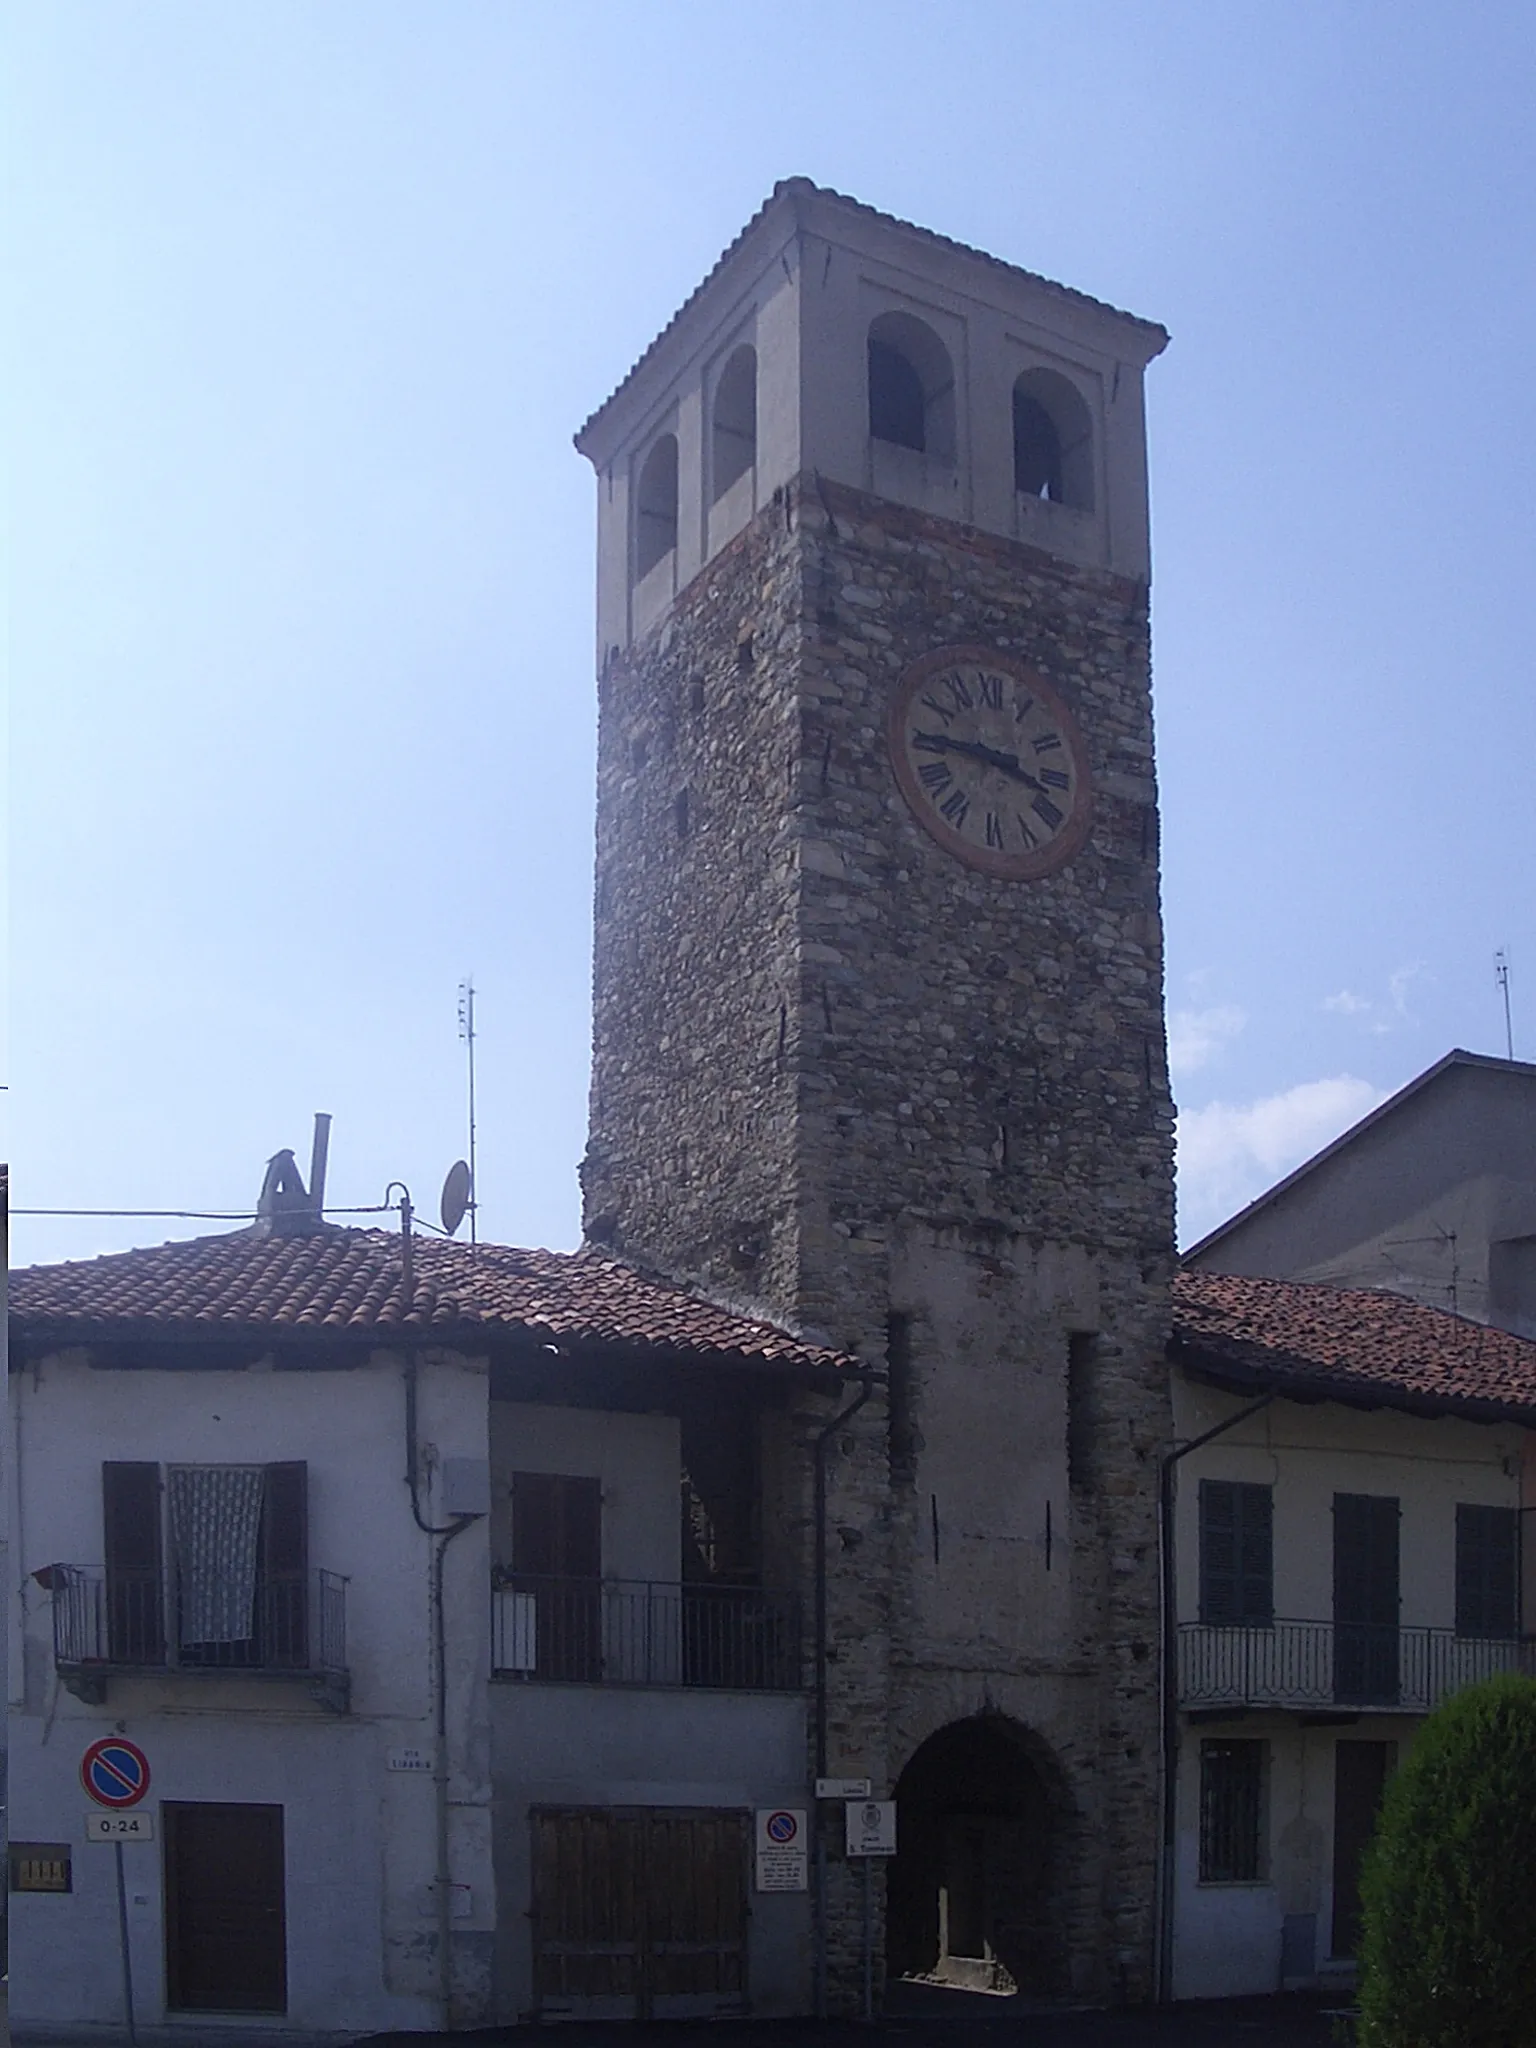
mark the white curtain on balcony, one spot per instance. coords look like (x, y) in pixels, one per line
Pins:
(216, 1533)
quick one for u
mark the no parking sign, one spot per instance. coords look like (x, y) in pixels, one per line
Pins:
(115, 1771)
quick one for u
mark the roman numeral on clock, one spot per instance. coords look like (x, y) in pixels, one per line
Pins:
(944, 711)
(991, 689)
(1048, 743)
(1027, 832)
(935, 776)
(957, 689)
(1055, 778)
(994, 830)
(954, 807)
(1045, 809)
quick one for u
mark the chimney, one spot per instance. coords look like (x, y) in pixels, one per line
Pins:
(286, 1208)
(317, 1158)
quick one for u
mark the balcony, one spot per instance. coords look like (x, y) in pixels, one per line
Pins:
(645, 1632)
(119, 1624)
(1319, 1666)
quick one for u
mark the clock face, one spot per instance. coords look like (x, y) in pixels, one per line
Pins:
(991, 761)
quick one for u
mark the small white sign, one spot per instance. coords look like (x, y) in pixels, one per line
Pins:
(135, 1826)
(783, 1864)
(409, 1759)
(871, 1827)
(842, 1788)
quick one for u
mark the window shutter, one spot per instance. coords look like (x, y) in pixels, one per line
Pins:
(1236, 1554)
(283, 1592)
(556, 1526)
(1487, 1578)
(130, 1526)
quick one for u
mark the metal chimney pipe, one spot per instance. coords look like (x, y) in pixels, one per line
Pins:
(317, 1158)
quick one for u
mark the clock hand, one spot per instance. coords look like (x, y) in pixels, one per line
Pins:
(940, 743)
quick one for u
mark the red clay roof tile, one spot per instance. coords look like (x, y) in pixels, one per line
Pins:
(353, 1280)
(1352, 1344)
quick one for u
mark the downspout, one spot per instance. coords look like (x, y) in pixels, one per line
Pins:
(823, 1440)
(444, 1534)
(1170, 1688)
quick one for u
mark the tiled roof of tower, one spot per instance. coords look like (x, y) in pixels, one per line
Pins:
(352, 1281)
(1352, 1344)
(789, 186)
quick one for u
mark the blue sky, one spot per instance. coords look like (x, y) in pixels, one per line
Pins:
(309, 300)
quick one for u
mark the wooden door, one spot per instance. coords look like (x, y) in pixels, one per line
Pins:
(226, 1941)
(1365, 1599)
(639, 1913)
(1360, 1773)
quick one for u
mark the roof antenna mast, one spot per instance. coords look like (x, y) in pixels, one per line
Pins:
(1501, 976)
(467, 1038)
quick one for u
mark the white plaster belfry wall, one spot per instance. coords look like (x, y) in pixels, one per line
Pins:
(804, 281)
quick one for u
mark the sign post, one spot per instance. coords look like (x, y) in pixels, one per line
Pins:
(115, 1773)
(871, 1832)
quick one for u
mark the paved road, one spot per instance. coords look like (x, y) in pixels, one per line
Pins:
(1243, 2023)
(989, 2023)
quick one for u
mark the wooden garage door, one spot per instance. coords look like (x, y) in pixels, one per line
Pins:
(639, 1912)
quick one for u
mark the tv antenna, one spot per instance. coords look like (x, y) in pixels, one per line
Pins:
(1501, 976)
(467, 1039)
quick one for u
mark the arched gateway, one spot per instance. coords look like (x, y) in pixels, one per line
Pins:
(975, 1891)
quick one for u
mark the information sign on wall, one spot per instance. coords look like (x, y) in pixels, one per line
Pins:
(782, 1862)
(871, 1827)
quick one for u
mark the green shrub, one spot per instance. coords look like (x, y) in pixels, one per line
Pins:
(1448, 1952)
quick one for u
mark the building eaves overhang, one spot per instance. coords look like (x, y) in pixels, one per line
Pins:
(1295, 1379)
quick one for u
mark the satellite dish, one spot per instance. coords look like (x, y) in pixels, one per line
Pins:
(455, 1203)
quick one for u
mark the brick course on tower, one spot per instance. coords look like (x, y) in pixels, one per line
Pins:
(874, 1090)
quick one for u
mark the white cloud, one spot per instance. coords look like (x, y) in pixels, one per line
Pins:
(1229, 1152)
(1379, 1016)
(1196, 1036)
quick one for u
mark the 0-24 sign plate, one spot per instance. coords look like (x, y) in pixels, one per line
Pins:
(138, 1826)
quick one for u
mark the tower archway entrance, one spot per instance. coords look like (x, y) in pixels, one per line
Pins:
(974, 1894)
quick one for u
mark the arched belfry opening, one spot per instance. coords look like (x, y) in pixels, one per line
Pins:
(1052, 441)
(733, 448)
(976, 1890)
(656, 506)
(911, 387)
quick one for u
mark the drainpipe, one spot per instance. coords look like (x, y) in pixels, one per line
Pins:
(1170, 1688)
(443, 1534)
(823, 1442)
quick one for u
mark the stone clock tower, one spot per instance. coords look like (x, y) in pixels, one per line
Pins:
(879, 1037)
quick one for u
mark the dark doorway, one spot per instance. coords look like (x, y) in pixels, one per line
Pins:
(1365, 1599)
(1360, 1773)
(974, 1897)
(225, 1925)
(639, 1912)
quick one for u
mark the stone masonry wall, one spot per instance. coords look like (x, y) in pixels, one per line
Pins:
(840, 1078)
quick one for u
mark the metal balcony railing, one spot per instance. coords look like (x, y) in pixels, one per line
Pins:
(645, 1632)
(1325, 1664)
(109, 1622)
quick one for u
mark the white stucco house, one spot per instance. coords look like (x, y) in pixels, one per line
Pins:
(435, 1586)
(1349, 1508)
